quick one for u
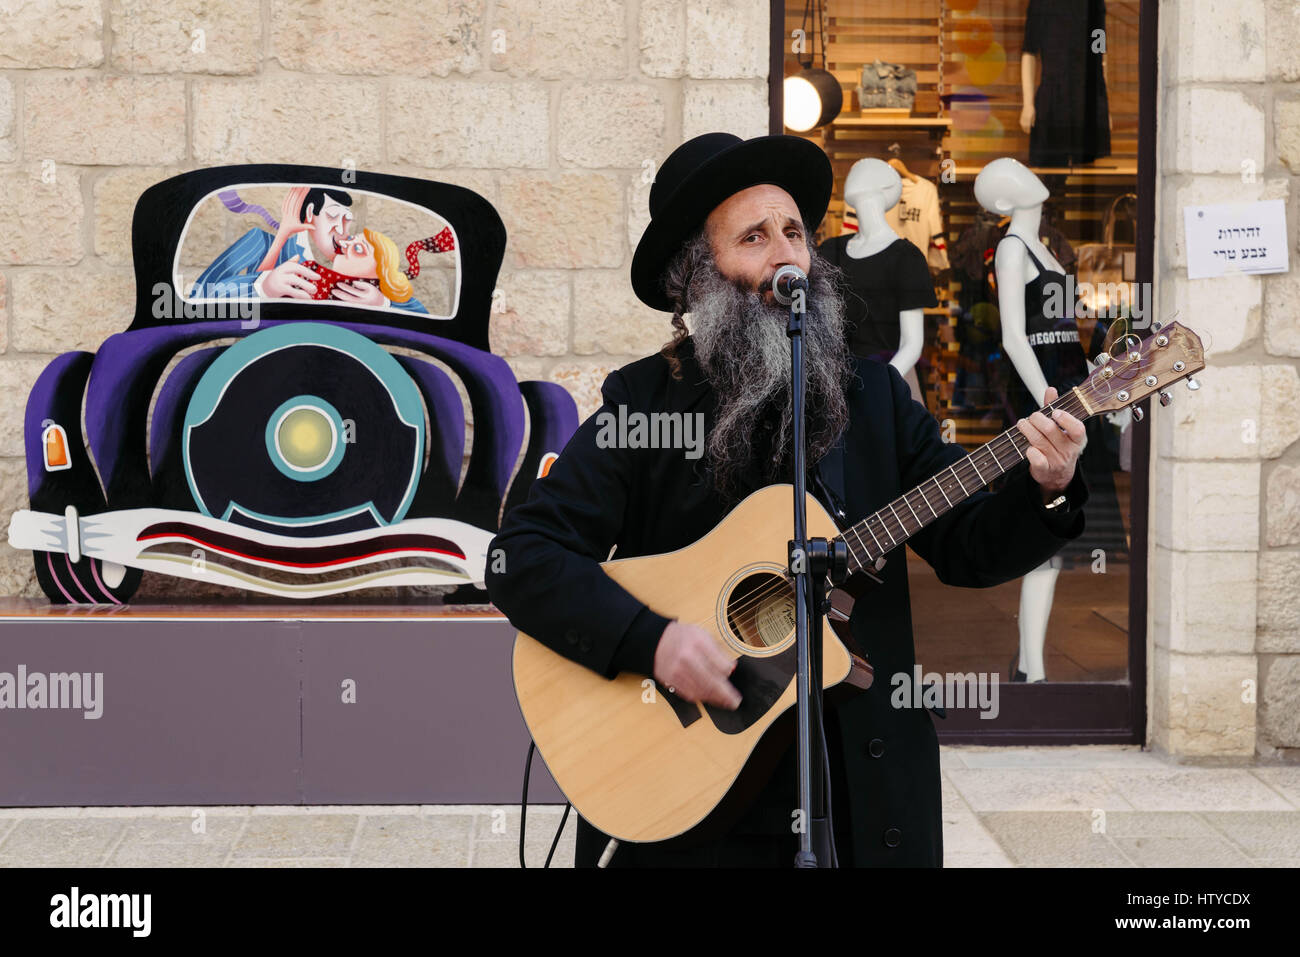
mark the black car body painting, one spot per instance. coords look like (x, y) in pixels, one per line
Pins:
(304, 404)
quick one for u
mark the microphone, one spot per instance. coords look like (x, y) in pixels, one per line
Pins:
(786, 281)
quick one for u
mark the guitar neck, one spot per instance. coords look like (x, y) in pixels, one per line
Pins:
(883, 531)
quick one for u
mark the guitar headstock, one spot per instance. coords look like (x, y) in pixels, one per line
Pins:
(1138, 367)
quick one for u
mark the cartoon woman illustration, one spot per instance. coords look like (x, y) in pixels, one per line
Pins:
(371, 258)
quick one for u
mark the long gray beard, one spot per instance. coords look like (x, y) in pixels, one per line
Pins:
(742, 346)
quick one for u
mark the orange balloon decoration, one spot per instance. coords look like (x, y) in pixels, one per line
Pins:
(972, 36)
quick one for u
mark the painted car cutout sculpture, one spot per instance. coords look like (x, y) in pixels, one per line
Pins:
(315, 411)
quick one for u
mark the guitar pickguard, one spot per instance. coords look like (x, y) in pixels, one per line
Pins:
(760, 681)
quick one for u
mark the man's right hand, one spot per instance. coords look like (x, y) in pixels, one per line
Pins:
(689, 660)
(289, 280)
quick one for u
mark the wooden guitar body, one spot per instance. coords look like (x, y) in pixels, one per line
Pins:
(637, 762)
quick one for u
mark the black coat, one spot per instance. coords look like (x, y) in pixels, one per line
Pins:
(648, 501)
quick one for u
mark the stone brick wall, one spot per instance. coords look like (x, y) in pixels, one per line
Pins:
(1224, 629)
(557, 112)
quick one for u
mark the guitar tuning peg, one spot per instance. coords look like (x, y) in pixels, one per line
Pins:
(1192, 384)
(1138, 414)
(1165, 397)
(1102, 358)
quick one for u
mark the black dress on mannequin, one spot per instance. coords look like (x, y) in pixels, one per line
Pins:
(1054, 339)
(1072, 123)
(1053, 336)
(880, 287)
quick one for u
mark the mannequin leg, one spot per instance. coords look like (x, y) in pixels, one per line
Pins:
(1036, 592)
(914, 384)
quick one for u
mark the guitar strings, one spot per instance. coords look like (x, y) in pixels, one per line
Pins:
(962, 468)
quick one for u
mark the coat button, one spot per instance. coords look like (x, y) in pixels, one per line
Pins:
(893, 837)
(571, 636)
(876, 748)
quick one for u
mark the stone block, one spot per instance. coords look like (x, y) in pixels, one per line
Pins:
(738, 107)
(42, 209)
(551, 39)
(1201, 705)
(8, 148)
(1204, 602)
(562, 222)
(608, 317)
(52, 33)
(61, 310)
(1210, 130)
(610, 125)
(1207, 506)
(727, 39)
(662, 31)
(583, 379)
(104, 120)
(188, 36)
(473, 124)
(114, 197)
(1282, 506)
(534, 320)
(276, 119)
(1223, 311)
(17, 376)
(1279, 603)
(1218, 40)
(378, 37)
(1282, 315)
(1279, 690)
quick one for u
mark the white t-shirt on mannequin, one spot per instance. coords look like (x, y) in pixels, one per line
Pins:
(918, 220)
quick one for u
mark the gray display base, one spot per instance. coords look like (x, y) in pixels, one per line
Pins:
(213, 711)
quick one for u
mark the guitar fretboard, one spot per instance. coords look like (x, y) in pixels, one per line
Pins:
(883, 531)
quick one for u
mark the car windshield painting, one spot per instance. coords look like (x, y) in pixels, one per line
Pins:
(319, 243)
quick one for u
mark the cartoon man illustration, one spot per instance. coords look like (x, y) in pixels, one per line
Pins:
(287, 265)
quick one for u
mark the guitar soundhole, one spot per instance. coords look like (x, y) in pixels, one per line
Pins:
(760, 610)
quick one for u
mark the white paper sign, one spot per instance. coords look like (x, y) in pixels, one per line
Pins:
(1236, 237)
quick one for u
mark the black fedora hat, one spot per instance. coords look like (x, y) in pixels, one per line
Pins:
(703, 172)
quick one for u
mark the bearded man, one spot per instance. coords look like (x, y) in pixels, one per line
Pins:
(725, 215)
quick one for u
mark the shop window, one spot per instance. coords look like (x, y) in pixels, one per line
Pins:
(935, 90)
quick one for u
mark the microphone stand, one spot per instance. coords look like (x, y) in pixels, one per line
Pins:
(809, 563)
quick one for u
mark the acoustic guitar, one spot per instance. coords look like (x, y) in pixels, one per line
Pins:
(641, 763)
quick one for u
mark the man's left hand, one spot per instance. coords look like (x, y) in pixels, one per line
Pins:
(1054, 447)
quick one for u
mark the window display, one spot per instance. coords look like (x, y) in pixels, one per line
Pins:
(1015, 165)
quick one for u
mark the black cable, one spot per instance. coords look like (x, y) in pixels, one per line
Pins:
(558, 831)
(826, 767)
(523, 812)
(523, 804)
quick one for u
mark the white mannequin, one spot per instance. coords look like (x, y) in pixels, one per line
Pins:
(872, 188)
(1008, 187)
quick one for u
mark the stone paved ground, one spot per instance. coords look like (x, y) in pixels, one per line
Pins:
(1003, 807)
